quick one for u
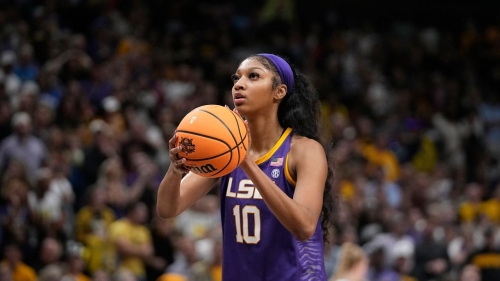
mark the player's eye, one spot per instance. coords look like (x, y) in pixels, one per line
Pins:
(234, 77)
(253, 75)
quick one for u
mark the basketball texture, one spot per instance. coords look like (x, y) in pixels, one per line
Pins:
(214, 140)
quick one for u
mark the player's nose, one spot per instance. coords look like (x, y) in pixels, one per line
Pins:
(239, 85)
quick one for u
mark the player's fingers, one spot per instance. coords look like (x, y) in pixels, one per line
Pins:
(174, 152)
(180, 162)
(185, 168)
(179, 165)
(172, 141)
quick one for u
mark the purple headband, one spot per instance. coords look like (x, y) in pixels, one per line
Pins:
(284, 70)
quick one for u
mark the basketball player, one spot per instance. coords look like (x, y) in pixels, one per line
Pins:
(276, 205)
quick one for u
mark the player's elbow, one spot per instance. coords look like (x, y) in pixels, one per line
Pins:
(165, 213)
(305, 232)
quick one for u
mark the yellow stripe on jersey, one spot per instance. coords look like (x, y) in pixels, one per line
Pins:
(270, 153)
(288, 175)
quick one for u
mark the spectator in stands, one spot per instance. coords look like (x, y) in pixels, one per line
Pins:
(91, 229)
(49, 256)
(22, 145)
(120, 194)
(14, 262)
(5, 272)
(187, 261)
(431, 256)
(378, 269)
(470, 273)
(470, 208)
(26, 68)
(15, 214)
(12, 82)
(132, 240)
(101, 275)
(491, 208)
(103, 147)
(46, 202)
(75, 263)
(5, 115)
(353, 263)
(484, 258)
(379, 154)
(198, 220)
(163, 245)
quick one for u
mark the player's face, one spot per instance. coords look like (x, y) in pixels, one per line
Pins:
(252, 86)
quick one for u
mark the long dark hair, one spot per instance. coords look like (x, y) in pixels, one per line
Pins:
(300, 110)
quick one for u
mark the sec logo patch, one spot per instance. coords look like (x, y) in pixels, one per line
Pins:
(275, 173)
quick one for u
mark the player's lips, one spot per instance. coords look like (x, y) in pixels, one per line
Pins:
(238, 98)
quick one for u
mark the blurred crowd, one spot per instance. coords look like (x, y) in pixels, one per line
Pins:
(91, 92)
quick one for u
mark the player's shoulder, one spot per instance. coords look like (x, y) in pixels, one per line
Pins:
(301, 145)
(299, 141)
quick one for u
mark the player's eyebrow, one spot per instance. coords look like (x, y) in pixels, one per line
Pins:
(249, 69)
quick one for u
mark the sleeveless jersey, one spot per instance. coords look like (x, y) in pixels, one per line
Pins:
(256, 246)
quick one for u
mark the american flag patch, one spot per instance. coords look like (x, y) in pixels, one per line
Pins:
(277, 161)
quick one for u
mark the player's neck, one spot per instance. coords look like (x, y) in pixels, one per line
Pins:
(265, 134)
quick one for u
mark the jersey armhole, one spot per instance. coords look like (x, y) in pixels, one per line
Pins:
(288, 175)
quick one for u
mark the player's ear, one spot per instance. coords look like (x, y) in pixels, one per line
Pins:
(280, 92)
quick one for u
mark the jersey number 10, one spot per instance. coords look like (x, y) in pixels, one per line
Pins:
(241, 222)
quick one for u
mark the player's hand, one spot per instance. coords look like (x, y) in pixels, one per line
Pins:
(177, 164)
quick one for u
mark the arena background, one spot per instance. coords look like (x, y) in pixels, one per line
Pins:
(91, 91)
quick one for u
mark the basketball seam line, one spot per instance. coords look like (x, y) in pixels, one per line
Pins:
(215, 156)
(209, 137)
(227, 128)
(230, 149)
(239, 131)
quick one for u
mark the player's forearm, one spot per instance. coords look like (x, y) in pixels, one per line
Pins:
(292, 215)
(167, 204)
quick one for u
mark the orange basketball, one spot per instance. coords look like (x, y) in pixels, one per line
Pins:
(214, 140)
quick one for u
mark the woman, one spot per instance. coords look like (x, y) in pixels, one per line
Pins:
(276, 205)
(353, 264)
(120, 194)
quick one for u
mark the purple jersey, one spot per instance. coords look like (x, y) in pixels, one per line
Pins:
(256, 245)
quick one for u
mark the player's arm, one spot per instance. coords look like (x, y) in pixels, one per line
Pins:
(298, 214)
(177, 193)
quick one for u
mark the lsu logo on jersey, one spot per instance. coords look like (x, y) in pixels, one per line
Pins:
(245, 190)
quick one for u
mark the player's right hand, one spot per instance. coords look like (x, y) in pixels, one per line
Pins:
(177, 164)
